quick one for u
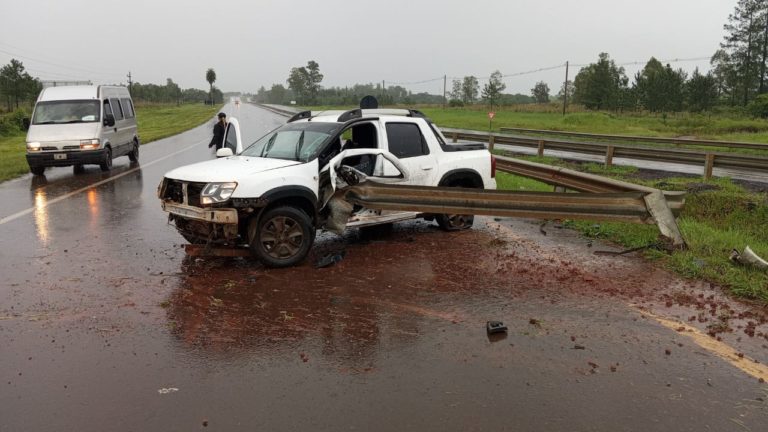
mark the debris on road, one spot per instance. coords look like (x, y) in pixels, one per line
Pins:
(495, 327)
(749, 258)
(330, 259)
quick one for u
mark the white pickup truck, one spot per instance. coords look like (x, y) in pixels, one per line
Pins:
(272, 196)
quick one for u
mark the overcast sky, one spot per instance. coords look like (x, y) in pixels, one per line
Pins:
(254, 43)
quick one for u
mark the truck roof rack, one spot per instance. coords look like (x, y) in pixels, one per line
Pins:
(300, 116)
(358, 113)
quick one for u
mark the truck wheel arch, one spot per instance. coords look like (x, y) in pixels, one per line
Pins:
(296, 196)
(462, 177)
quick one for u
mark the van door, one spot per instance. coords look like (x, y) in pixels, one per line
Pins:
(119, 146)
(232, 138)
(130, 120)
(108, 133)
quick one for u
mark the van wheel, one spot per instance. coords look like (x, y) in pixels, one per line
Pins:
(37, 170)
(78, 169)
(134, 154)
(281, 237)
(106, 164)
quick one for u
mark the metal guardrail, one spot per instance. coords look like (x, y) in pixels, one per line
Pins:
(633, 206)
(581, 182)
(709, 160)
(659, 140)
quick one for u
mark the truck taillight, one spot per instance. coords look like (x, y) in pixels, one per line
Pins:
(493, 166)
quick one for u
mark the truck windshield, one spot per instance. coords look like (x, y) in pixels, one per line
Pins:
(69, 111)
(294, 141)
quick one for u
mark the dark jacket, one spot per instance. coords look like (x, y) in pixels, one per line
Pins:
(218, 136)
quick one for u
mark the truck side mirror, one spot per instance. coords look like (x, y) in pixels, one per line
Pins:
(224, 152)
(25, 123)
(109, 120)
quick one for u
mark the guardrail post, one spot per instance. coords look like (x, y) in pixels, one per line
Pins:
(709, 164)
(541, 148)
(609, 156)
(455, 137)
(491, 140)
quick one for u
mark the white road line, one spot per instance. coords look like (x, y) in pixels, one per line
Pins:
(95, 185)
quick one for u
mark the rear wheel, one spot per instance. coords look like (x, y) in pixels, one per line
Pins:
(106, 163)
(37, 170)
(134, 154)
(281, 237)
(455, 222)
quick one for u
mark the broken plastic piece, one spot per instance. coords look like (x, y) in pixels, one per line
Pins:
(330, 259)
(749, 257)
(494, 327)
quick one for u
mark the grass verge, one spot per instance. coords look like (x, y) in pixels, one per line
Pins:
(719, 216)
(155, 122)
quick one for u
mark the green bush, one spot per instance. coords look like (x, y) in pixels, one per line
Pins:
(759, 106)
(10, 124)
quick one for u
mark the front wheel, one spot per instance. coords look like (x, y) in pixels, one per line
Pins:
(106, 163)
(281, 237)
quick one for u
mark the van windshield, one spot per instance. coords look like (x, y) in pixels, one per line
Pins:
(69, 111)
(294, 141)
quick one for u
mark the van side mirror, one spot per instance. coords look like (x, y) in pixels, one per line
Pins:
(25, 123)
(109, 120)
(224, 152)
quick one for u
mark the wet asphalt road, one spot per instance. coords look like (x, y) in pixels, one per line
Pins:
(106, 325)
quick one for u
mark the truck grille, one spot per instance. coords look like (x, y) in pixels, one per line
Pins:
(174, 191)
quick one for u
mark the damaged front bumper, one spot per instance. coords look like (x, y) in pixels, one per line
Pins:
(212, 215)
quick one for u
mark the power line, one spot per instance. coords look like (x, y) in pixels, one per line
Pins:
(77, 69)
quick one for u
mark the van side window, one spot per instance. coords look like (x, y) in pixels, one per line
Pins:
(405, 140)
(127, 108)
(116, 109)
(107, 108)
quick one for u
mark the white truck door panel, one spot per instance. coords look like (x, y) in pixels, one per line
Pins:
(406, 141)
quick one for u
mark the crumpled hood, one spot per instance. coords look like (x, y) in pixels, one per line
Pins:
(227, 169)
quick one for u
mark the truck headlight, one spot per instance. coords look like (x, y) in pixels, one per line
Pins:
(217, 192)
(33, 146)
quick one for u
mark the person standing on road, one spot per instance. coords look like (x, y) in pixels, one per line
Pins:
(218, 132)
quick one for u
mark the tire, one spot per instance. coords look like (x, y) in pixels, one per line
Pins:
(455, 222)
(106, 164)
(133, 156)
(38, 171)
(281, 237)
(78, 169)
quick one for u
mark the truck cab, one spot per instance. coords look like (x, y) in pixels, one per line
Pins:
(272, 195)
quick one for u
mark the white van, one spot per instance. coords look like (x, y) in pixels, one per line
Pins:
(79, 125)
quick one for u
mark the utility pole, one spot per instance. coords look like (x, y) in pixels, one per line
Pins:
(445, 100)
(565, 89)
(130, 83)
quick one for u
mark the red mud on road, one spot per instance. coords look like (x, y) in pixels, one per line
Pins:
(233, 301)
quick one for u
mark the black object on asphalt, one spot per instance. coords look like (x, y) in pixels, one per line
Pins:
(494, 327)
(330, 259)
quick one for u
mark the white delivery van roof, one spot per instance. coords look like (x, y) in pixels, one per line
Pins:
(81, 92)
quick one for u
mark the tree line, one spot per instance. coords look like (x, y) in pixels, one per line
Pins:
(19, 89)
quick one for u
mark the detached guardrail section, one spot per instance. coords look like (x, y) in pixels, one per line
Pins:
(709, 160)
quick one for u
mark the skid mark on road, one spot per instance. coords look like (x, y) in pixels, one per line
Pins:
(720, 349)
(94, 185)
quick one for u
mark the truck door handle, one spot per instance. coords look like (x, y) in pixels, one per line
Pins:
(426, 167)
